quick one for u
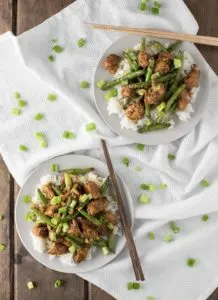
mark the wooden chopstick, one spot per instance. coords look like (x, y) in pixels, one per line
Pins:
(198, 39)
(124, 221)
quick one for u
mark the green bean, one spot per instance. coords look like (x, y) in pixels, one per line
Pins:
(100, 243)
(147, 110)
(68, 181)
(78, 171)
(58, 230)
(42, 197)
(73, 242)
(76, 239)
(112, 243)
(155, 45)
(143, 45)
(140, 85)
(92, 219)
(174, 46)
(56, 190)
(69, 218)
(153, 127)
(118, 81)
(167, 77)
(44, 219)
(104, 186)
(132, 63)
(149, 70)
(174, 97)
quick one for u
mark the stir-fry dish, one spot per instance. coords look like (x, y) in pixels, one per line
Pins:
(153, 82)
(74, 214)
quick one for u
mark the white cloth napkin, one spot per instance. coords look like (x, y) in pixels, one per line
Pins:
(25, 68)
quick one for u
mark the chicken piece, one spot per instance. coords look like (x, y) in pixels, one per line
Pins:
(92, 188)
(154, 94)
(192, 79)
(135, 111)
(165, 56)
(111, 217)
(88, 230)
(48, 191)
(96, 206)
(81, 254)
(51, 210)
(184, 100)
(74, 229)
(57, 249)
(143, 59)
(127, 92)
(103, 230)
(61, 240)
(111, 63)
(162, 63)
(40, 230)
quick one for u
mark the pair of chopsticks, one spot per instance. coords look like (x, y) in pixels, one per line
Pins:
(124, 221)
(198, 39)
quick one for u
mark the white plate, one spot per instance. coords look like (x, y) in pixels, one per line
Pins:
(156, 137)
(24, 227)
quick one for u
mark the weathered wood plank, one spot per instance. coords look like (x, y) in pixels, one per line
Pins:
(29, 14)
(5, 15)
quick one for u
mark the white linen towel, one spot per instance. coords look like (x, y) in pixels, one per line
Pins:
(24, 67)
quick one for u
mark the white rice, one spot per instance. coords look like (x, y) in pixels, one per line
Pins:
(123, 69)
(67, 259)
(39, 245)
(114, 107)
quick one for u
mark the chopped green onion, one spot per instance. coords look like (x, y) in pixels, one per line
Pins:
(155, 11)
(16, 111)
(150, 298)
(73, 204)
(151, 236)
(161, 107)
(58, 283)
(144, 187)
(31, 216)
(130, 286)
(177, 63)
(105, 250)
(111, 94)
(72, 249)
(204, 183)
(110, 226)
(17, 95)
(83, 198)
(133, 286)
(65, 227)
(143, 5)
(205, 218)
(163, 186)
(30, 285)
(68, 135)
(152, 187)
(140, 147)
(171, 156)
(52, 236)
(174, 227)
(58, 49)
(62, 210)
(191, 262)
(84, 84)
(52, 97)
(90, 126)
(22, 103)
(56, 200)
(1, 217)
(68, 181)
(138, 168)
(54, 41)
(43, 143)
(55, 221)
(23, 148)
(144, 199)
(2, 247)
(81, 42)
(125, 161)
(100, 84)
(54, 168)
(157, 4)
(40, 135)
(27, 198)
(168, 238)
(38, 117)
(51, 58)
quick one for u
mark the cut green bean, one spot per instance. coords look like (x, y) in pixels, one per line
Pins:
(112, 243)
(68, 181)
(43, 218)
(174, 46)
(92, 219)
(175, 96)
(42, 197)
(153, 127)
(79, 171)
(104, 186)
(149, 70)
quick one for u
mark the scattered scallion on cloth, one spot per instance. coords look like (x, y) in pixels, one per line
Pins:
(38, 117)
(84, 84)
(27, 198)
(204, 183)
(171, 156)
(58, 283)
(155, 10)
(144, 187)
(68, 135)
(152, 187)
(22, 103)
(126, 161)
(90, 126)
(40, 135)
(190, 262)
(168, 238)
(58, 49)
(150, 298)
(133, 286)
(140, 147)
(23, 148)
(205, 218)
(163, 186)
(144, 199)
(16, 111)
(43, 143)
(2, 247)
(174, 227)
(51, 58)
(143, 5)
(54, 41)
(151, 236)
(17, 95)
(30, 285)
(81, 42)
(52, 97)
(138, 168)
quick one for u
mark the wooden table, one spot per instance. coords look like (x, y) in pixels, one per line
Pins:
(16, 265)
